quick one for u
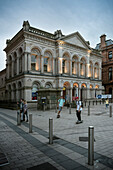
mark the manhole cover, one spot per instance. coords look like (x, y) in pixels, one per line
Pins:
(84, 139)
(3, 159)
(44, 166)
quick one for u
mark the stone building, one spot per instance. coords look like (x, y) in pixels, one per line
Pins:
(36, 59)
(106, 48)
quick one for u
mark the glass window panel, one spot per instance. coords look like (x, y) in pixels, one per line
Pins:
(110, 54)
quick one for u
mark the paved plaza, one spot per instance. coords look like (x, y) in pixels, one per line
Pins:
(69, 150)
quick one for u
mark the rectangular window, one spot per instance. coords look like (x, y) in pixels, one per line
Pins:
(110, 73)
(72, 67)
(32, 66)
(110, 54)
(45, 68)
(45, 61)
(63, 66)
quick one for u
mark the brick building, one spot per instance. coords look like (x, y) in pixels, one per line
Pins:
(106, 48)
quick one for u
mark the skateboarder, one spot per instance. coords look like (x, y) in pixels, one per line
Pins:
(61, 102)
(78, 110)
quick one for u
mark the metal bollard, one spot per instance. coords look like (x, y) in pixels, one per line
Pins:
(93, 102)
(18, 118)
(43, 107)
(89, 110)
(50, 131)
(30, 123)
(91, 145)
(110, 111)
(70, 109)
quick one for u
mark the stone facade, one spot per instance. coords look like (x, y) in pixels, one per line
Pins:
(36, 59)
(106, 48)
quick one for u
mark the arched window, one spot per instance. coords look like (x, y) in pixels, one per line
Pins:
(48, 58)
(10, 66)
(15, 63)
(9, 91)
(20, 89)
(65, 64)
(20, 60)
(82, 67)
(48, 85)
(33, 62)
(96, 71)
(74, 65)
(35, 59)
(14, 91)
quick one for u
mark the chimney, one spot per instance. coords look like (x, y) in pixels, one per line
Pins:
(103, 40)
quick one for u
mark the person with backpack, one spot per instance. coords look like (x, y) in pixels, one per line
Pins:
(61, 102)
(78, 110)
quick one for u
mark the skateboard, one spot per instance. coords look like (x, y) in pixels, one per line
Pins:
(78, 122)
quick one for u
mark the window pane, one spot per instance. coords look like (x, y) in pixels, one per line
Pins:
(110, 54)
(33, 66)
(45, 61)
(33, 58)
(45, 68)
(110, 73)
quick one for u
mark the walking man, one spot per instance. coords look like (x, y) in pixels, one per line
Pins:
(78, 110)
(61, 102)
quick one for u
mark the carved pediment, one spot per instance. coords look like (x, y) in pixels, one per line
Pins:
(76, 39)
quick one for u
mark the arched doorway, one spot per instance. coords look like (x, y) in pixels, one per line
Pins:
(66, 91)
(83, 91)
(75, 90)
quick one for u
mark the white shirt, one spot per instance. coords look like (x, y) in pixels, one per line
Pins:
(78, 103)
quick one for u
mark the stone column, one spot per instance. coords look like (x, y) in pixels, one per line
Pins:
(58, 64)
(78, 69)
(100, 74)
(88, 91)
(12, 68)
(42, 64)
(87, 70)
(70, 62)
(17, 65)
(7, 70)
(93, 72)
(53, 66)
(29, 61)
(25, 61)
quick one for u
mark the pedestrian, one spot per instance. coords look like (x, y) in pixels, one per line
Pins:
(107, 103)
(22, 116)
(78, 110)
(26, 110)
(61, 102)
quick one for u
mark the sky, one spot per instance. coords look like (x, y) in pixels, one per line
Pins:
(91, 18)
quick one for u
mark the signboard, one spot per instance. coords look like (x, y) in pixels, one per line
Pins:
(43, 98)
(104, 96)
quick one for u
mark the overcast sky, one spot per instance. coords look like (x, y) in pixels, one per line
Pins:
(91, 18)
